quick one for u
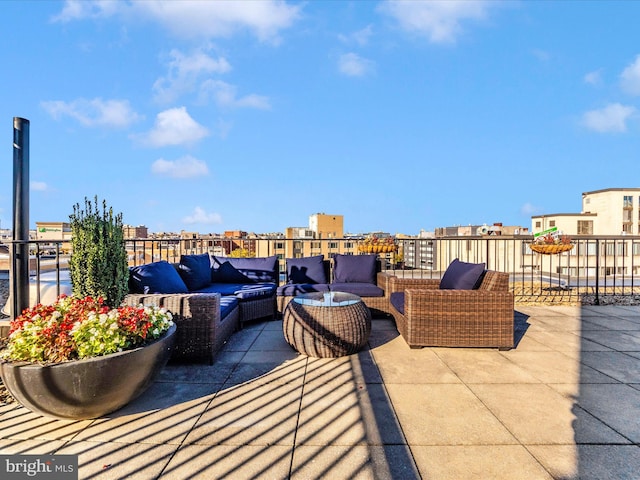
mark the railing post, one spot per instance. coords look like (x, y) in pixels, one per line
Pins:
(19, 278)
(597, 271)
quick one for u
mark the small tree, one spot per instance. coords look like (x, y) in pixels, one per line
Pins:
(98, 264)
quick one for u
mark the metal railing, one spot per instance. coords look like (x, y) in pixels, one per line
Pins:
(597, 270)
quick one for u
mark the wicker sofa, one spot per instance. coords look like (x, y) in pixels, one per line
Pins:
(209, 296)
(357, 274)
(428, 315)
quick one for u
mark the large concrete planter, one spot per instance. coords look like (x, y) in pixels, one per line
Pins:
(88, 388)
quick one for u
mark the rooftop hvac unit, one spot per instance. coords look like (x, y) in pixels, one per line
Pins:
(483, 230)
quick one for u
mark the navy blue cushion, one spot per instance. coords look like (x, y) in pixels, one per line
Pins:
(307, 270)
(195, 270)
(354, 268)
(227, 304)
(221, 288)
(358, 288)
(256, 269)
(242, 291)
(397, 301)
(156, 277)
(260, 290)
(462, 276)
(227, 273)
(293, 289)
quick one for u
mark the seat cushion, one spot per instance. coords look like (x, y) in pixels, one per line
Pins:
(195, 270)
(462, 276)
(259, 290)
(156, 277)
(227, 304)
(357, 288)
(397, 301)
(354, 268)
(293, 289)
(306, 270)
(242, 291)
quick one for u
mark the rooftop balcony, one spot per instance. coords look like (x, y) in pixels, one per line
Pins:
(563, 404)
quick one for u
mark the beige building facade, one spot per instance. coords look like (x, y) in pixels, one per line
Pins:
(612, 211)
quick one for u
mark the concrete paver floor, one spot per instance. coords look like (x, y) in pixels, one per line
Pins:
(564, 404)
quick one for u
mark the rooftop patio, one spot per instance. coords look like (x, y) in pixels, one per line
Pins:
(565, 403)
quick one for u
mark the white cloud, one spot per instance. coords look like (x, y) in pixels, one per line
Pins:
(528, 209)
(630, 78)
(199, 215)
(184, 167)
(38, 186)
(193, 18)
(174, 127)
(541, 55)
(80, 9)
(184, 73)
(225, 95)
(612, 118)
(94, 113)
(354, 65)
(593, 78)
(439, 20)
(360, 37)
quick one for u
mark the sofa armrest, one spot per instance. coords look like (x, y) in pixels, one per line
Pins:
(197, 316)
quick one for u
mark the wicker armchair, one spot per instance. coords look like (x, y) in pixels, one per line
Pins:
(454, 318)
(201, 332)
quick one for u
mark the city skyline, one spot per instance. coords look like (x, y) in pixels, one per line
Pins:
(215, 116)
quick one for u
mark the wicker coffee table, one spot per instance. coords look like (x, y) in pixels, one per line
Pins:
(329, 324)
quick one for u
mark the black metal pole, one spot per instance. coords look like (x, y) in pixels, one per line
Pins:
(19, 277)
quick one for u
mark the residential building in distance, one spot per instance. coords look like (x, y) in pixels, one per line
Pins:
(612, 211)
(130, 231)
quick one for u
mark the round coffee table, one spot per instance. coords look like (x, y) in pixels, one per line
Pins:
(330, 324)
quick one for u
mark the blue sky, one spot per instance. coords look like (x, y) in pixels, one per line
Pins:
(401, 116)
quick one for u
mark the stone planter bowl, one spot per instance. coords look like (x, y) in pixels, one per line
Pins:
(88, 388)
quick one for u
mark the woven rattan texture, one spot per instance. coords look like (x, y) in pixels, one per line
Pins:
(456, 318)
(200, 332)
(257, 308)
(327, 331)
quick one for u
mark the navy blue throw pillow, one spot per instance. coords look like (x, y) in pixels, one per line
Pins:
(256, 269)
(156, 277)
(227, 273)
(195, 270)
(462, 276)
(309, 270)
(354, 268)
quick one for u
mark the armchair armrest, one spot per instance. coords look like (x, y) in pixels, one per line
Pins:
(383, 280)
(399, 284)
(477, 318)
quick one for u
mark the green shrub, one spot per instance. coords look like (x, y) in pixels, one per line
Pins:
(98, 264)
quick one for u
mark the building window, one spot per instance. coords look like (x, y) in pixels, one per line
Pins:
(585, 227)
(627, 201)
(538, 224)
(552, 223)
